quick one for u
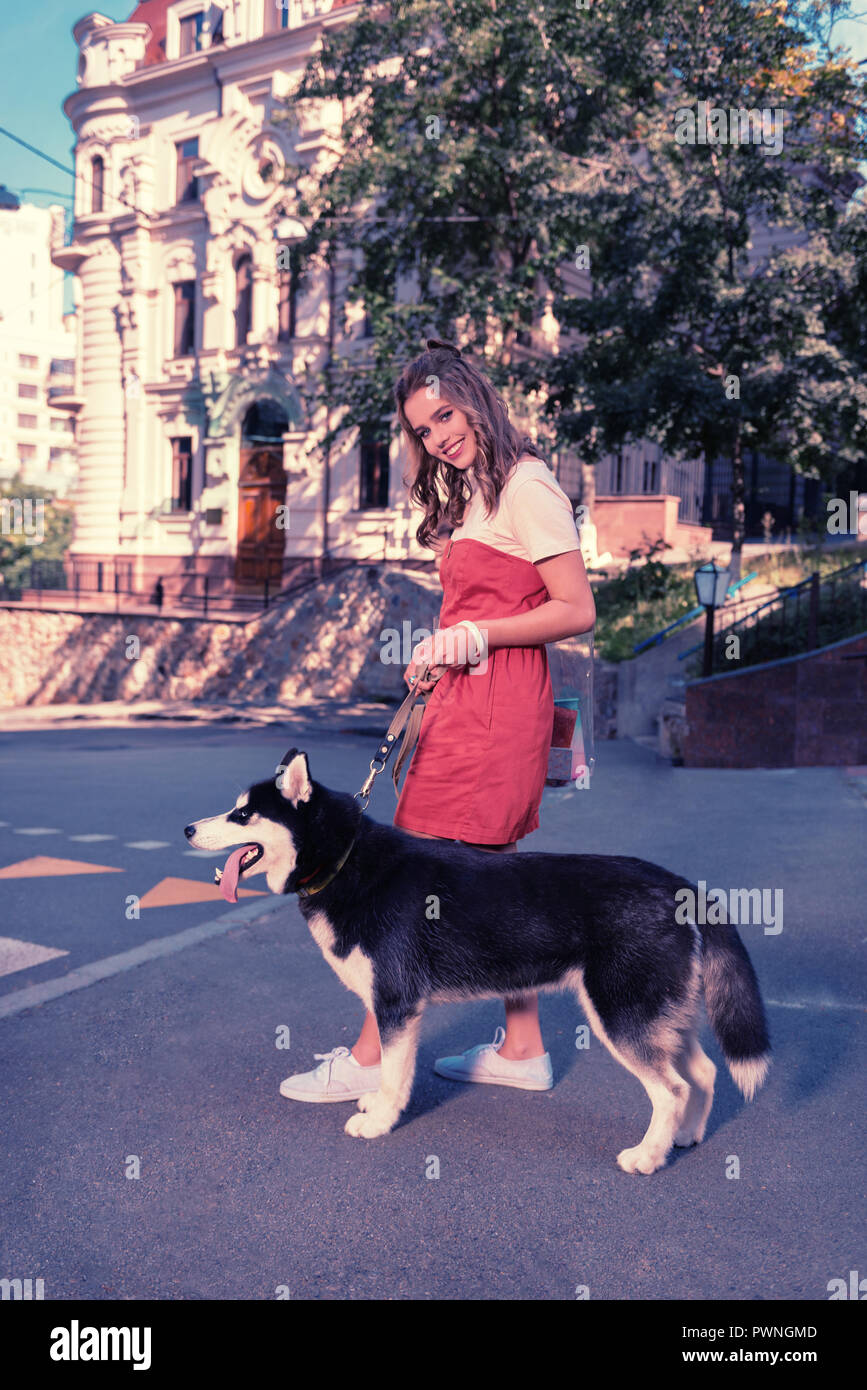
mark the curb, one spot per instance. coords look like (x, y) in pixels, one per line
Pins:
(339, 716)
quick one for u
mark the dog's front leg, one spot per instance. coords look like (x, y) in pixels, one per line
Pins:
(382, 1109)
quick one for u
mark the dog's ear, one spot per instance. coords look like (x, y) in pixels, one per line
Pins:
(293, 777)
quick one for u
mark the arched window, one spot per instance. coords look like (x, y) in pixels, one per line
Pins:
(243, 297)
(97, 182)
(265, 420)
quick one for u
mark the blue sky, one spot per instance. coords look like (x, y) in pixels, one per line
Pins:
(39, 65)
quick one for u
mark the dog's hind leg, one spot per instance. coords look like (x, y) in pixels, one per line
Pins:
(669, 1096)
(694, 1064)
(667, 1089)
(382, 1109)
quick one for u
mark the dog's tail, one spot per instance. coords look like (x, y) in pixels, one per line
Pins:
(734, 1006)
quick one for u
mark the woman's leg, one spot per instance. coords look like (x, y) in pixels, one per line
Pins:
(367, 1050)
(523, 1034)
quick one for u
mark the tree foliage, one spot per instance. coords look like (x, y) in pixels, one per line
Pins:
(484, 143)
(34, 525)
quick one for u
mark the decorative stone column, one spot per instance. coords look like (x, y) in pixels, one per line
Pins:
(136, 526)
(99, 488)
(301, 499)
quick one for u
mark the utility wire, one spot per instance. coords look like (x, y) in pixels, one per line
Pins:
(77, 178)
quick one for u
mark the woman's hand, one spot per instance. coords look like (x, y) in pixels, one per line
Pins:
(448, 646)
(413, 670)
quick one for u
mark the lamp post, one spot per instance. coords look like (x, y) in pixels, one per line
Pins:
(711, 586)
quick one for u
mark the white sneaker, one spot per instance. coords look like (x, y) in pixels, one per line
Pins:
(484, 1064)
(338, 1077)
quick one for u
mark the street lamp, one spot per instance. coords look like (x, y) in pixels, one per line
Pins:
(711, 585)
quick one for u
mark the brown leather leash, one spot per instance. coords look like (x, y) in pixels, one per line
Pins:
(407, 721)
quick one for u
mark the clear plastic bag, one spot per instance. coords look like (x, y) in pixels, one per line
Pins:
(572, 757)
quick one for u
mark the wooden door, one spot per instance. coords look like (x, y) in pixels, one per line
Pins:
(261, 542)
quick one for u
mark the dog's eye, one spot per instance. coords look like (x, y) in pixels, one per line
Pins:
(242, 815)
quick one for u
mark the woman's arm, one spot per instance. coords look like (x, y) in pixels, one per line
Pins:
(570, 609)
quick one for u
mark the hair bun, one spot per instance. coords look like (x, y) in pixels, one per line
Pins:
(438, 345)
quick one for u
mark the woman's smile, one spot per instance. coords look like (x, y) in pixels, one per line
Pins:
(428, 415)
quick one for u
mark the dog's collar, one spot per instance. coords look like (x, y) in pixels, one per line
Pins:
(326, 878)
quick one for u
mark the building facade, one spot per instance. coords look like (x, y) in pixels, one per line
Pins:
(197, 453)
(37, 353)
(198, 448)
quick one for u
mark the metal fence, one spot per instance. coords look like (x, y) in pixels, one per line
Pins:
(815, 613)
(109, 587)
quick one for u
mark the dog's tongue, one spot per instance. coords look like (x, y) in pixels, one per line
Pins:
(232, 872)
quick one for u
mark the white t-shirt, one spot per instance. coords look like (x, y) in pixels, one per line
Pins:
(532, 518)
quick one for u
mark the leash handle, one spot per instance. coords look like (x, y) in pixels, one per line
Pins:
(405, 718)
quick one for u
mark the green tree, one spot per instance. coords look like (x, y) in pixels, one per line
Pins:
(702, 332)
(34, 525)
(484, 145)
(469, 132)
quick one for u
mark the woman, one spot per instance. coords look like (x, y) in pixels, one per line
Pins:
(513, 579)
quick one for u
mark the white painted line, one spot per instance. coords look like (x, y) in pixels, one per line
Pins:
(4, 823)
(147, 844)
(36, 830)
(33, 995)
(814, 1004)
(91, 839)
(20, 955)
(204, 853)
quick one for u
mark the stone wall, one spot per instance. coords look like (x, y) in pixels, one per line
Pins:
(803, 711)
(328, 641)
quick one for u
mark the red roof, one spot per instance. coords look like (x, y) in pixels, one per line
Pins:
(152, 12)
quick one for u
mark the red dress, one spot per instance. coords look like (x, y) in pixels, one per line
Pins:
(480, 764)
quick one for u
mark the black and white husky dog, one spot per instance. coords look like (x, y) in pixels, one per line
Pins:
(404, 921)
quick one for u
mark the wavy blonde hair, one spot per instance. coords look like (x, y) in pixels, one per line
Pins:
(437, 486)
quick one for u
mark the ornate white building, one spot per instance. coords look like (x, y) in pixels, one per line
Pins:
(195, 455)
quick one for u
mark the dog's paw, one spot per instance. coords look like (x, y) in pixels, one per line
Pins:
(366, 1101)
(367, 1126)
(685, 1138)
(640, 1160)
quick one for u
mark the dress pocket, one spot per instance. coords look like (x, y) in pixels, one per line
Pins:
(491, 676)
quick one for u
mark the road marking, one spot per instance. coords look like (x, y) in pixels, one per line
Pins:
(204, 853)
(41, 866)
(147, 844)
(36, 830)
(91, 839)
(33, 995)
(20, 955)
(814, 1004)
(169, 892)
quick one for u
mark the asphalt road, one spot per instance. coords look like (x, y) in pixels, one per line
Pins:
(172, 1061)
